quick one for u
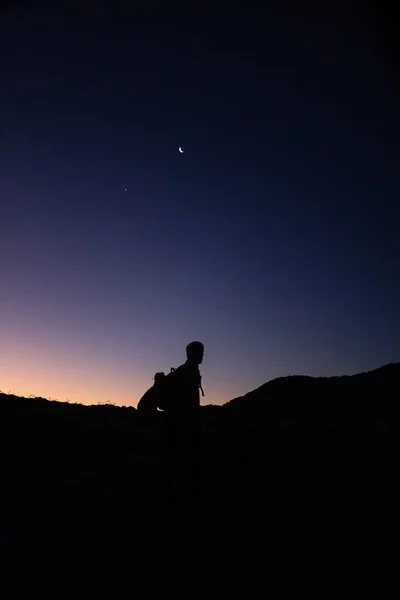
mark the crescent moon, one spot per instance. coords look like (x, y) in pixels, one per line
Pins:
(180, 149)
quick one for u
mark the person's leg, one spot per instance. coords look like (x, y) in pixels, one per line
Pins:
(197, 463)
(170, 461)
(166, 466)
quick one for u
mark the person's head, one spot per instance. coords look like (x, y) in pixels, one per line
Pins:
(195, 352)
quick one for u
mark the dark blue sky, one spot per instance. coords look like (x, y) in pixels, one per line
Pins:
(274, 238)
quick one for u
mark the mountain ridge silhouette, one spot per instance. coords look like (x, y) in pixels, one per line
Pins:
(376, 387)
(382, 376)
(297, 455)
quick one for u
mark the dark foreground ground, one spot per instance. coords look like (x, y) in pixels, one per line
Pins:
(72, 475)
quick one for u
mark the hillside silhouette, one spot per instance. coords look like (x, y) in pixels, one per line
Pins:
(372, 393)
(298, 454)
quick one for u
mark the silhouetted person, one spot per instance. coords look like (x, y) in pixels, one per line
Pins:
(182, 424)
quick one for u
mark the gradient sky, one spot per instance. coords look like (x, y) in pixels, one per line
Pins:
(274, 238)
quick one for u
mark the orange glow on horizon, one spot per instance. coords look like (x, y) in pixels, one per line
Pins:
(82, 386)
(33, 366)
(30, 386)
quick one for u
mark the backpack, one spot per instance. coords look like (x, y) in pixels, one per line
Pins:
(147, 405)
(163, 394)
(169, 390)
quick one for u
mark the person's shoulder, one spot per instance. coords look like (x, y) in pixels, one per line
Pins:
(181, 371)
(190, 371)
(187, 369)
